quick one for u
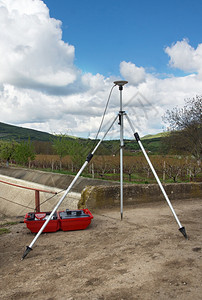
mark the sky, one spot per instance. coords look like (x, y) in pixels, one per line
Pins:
(59, 59)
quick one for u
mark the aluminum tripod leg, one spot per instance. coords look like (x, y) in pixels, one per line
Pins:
(181, 228)
(29, 248)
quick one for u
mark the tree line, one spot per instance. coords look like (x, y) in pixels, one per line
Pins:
(20, 152)
(24, 152)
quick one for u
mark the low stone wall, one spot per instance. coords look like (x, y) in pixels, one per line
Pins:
(109, 196)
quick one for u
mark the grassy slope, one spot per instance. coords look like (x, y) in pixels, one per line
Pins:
(154, 136)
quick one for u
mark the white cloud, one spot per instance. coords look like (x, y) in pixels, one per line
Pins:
(135, 75)
(32, 52)
(183, 56)
(41, 88)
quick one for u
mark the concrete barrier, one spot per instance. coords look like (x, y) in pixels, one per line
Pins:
(17, 201)
(109, 196)
(61, 181)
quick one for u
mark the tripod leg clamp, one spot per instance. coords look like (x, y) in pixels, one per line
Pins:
(136, 135)
(89, 157)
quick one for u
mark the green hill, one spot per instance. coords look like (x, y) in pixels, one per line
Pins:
(151, 142)
(11, 132)
(154, 136)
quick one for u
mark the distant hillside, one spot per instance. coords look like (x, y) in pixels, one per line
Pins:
(11, 132)
(151, 142)
(154, 136)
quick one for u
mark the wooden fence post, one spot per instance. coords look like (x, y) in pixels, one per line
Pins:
(37, 201)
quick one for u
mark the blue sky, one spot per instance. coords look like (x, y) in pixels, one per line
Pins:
(107, 32)
(59, 59)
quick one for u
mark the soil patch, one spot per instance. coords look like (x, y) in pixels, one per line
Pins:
(144, 256)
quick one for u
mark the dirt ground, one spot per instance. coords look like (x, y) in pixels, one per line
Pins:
(144, 256)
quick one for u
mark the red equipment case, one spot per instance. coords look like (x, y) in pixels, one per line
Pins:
(64, 220)
(74, 219)
(34, 222)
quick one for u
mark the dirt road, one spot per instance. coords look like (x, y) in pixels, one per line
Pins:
(142, 257)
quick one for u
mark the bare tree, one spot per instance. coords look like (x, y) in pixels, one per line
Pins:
(185, 126)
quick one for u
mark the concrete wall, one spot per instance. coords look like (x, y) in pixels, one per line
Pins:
(60, 181)
(16, 201)
(109, 196)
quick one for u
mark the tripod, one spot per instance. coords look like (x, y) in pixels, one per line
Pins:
(120, 116)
